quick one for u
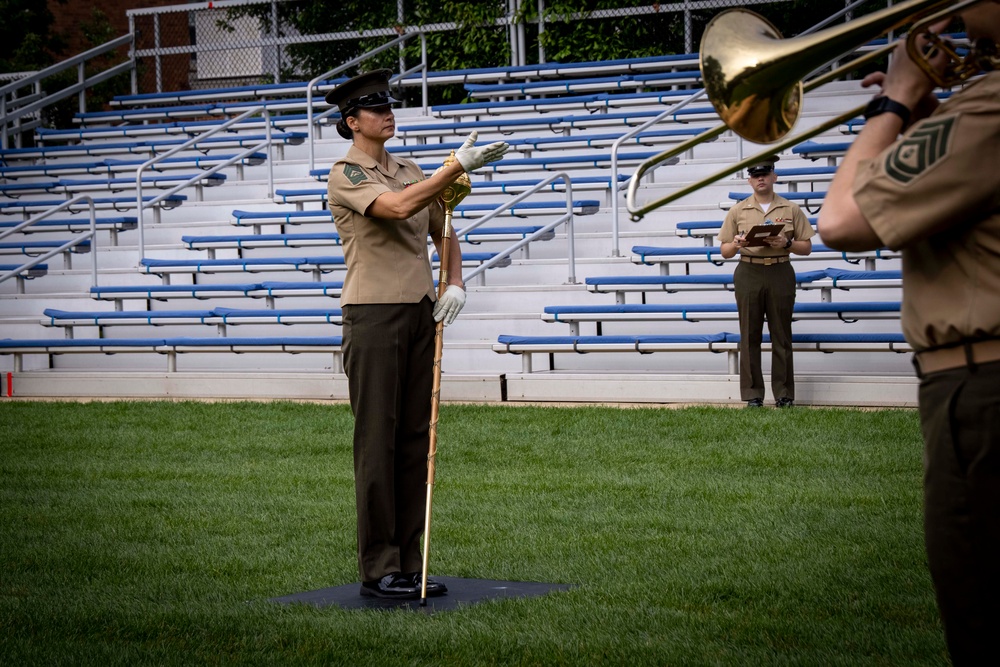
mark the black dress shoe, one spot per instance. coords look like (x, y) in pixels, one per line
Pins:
(392, 586)
(755, 403)
(433, 587)
(785, 403)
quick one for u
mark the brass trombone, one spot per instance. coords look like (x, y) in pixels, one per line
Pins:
(753, 77)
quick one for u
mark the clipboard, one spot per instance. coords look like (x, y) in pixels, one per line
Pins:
(755, 237)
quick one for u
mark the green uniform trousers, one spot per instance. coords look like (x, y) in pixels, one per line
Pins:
(389, 358)
(960, 419)
(765, 291)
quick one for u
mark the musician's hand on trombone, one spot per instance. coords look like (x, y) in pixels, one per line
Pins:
(473, 157)
(905, 82)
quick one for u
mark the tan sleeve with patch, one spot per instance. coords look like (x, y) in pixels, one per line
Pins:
(351, 187)
(938, 175)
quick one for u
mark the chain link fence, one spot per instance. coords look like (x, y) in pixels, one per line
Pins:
(249, 42)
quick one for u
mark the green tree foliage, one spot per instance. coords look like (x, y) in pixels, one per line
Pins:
(598, 36)
(26, 40)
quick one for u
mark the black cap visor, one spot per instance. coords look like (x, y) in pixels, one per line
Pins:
(370, 101)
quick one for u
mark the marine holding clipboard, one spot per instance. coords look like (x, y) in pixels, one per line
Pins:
(765, 229)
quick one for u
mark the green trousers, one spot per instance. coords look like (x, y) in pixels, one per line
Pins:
(765, 292)
(960, 419)
(389, 358)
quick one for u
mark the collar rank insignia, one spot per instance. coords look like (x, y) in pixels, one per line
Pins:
(918, 152)
(354, 174)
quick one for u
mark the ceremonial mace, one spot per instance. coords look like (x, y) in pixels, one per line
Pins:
(451, 197)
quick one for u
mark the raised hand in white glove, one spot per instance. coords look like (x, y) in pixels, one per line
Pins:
(449, 305)
(472, 157)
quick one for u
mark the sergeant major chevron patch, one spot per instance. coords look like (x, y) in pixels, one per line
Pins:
(918, 152)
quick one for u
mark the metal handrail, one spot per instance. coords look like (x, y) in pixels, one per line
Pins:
(615, 251)
(91, 235)
(566, 217)
(141, 205)
(78, 88)
(351, 63)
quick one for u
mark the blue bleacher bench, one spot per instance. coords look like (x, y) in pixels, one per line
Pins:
(556, 124)
(111, 166)
(664, 256)
(315, 265)
(257, 218)
(101, 203)
(183, 111)
(34, 247)
(182, 127)
(694, 312)
(815, 150)
(558, 161)
(527, 145)
(808, 200)
(583, 84)
(267, 290)
(69, 186)
(825, 280)
(37, 271)
(707, 229)
(147, 147)
(241, 241)
(593, 102)
(502, 234)
(119, 223)
(219, 317)
(171, 347)
(715, 343)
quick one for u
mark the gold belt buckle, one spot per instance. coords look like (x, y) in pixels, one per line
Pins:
(768, 261)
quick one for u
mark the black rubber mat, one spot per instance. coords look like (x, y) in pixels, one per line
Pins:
(461, 592)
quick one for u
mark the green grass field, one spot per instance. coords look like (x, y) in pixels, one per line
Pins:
(154, 532)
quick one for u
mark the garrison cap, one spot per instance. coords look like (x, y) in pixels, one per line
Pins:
(765, 166)
(365, 91)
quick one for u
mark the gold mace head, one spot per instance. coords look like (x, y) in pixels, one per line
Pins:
(459, 188)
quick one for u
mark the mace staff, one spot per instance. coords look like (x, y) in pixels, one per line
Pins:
(450, 198)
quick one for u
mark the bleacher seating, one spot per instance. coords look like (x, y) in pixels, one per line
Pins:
(664, 256)
(557, 118)
(713, 343)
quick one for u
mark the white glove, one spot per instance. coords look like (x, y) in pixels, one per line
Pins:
(449, 305)
(473, 158)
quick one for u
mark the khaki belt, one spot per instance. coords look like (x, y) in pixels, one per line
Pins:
(946, 358)
(764, 260)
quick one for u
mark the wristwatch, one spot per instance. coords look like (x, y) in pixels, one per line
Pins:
(882, 104)
(788, 244)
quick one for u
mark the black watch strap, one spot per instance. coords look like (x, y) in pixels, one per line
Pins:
(788, 244)
(882, 104)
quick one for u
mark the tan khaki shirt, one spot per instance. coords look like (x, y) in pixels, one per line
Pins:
(387, 260)
(935, 194)
(745, 214)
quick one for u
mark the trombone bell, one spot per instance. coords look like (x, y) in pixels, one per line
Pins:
(736, 81)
